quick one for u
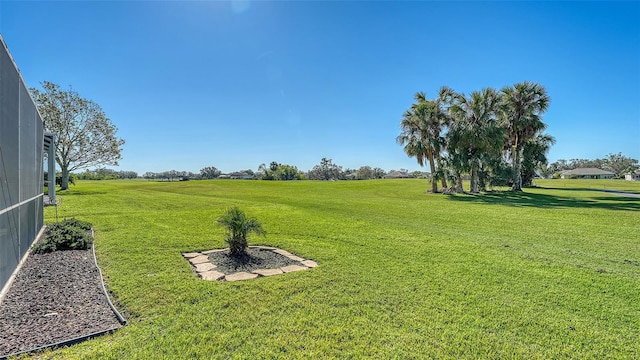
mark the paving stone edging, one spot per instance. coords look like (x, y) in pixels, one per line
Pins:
(207, 270)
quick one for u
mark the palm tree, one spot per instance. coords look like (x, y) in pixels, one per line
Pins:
(414, 139)
(238, 229)
(522, 108)
(442, 114)
(534, 155)
(475, 133)
(421, 134)
(456, 159)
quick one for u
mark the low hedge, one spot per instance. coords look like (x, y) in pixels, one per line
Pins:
(69, 234)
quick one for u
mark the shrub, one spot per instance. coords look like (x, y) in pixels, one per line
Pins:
(69, 234)
(73, 222)
(239, 227)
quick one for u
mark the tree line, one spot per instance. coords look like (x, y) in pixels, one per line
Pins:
(495, 137)
(105, 174)
(325, 170)
(616, 163)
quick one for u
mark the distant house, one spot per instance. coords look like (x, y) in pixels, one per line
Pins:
(586, 173)
(240, 175)
(398, 175)
(634, 176)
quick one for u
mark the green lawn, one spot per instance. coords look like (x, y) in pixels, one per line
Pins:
(549, 273)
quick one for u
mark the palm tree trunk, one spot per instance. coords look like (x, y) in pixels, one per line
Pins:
(443, 178)
(474, 179)
(517, 178)
(444, 182)
(434, 182)
(482, 181)
(459, 187)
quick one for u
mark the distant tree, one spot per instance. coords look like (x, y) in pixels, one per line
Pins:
(262, 172)
(326, 170)
(106, 174)
(277, 171)
(523, 106)
(288, 172)
(170, 175)
(364, 173)
(555, 168)
(619, 164)
(209, 172)
(149, 175)
(378, 173)
(85, 136)
(350, 174)
(127, 174)
(585, 163)
(546, 171)
(186, 175)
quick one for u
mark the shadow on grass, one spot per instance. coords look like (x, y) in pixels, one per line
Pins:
(73, 192)
(546, 201)
(610, 190)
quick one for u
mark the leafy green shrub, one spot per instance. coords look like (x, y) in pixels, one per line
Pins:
(73, 222)
(69, 234)
(238, 228)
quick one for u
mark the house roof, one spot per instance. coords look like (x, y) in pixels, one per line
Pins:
(240, 175)
(398, 175)
(587, 171)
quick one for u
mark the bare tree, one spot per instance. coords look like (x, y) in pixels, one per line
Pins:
(85, 136)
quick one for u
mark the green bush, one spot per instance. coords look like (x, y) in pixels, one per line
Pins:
(73, 222)
(238, 228)
(69, 234)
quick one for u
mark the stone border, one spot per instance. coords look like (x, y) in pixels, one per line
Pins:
(206, 270)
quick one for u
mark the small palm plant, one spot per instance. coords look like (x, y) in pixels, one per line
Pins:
(238, 228)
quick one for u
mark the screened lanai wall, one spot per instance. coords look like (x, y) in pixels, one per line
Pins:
(21, 167)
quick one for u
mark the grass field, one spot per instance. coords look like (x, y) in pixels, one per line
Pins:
(546, 274)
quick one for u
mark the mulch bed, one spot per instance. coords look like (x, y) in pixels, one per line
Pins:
(254, 259)
(55, 297)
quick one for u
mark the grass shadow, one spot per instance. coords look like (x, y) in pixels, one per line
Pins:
(547, 201)
(73, 192)
(610, 190)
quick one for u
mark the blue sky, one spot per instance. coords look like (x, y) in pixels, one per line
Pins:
(237, 84)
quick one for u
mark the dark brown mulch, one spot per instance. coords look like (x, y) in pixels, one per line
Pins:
(55, 297)
(254, 260)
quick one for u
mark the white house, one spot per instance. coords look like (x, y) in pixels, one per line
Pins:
(586, 173)
(634, 176)
(398, 175)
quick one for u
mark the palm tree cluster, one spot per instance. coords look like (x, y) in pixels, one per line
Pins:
(494, 137)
